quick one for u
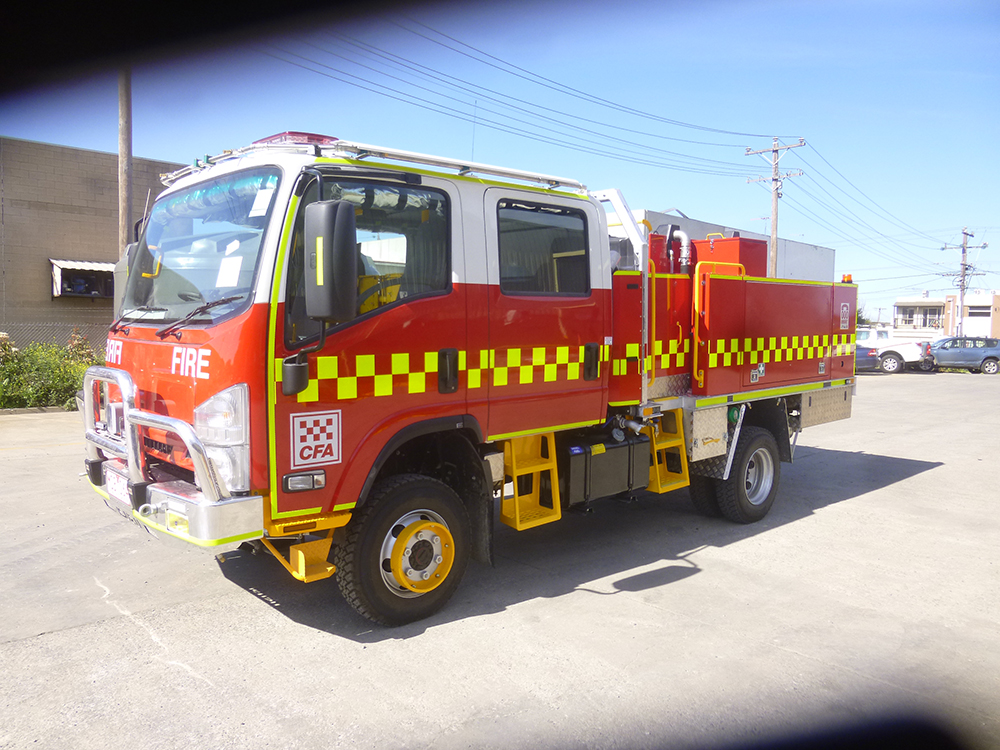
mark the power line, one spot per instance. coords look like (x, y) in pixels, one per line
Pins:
(901, 222)
(401, 96)
(540, 80)
(433, 73)
(522, 119)
(900, 258)
(715, 164)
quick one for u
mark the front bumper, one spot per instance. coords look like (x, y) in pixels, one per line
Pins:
(203, 513)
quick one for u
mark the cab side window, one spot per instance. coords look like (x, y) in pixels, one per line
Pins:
(403, 248)
(543, 249)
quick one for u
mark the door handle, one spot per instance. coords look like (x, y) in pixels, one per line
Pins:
(591, 361)
(447, 370)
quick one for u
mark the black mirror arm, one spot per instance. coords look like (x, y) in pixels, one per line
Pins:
(292, 384)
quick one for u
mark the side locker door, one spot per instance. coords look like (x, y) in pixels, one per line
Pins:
(547, 312)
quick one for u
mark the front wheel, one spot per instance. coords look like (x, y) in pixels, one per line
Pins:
(926, 365)
(749, 492)
(406, 550)
(990, 367)
(891, 363)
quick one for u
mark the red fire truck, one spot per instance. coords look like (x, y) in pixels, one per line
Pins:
(354, 358)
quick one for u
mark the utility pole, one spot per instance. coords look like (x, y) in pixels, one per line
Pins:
(776, 178)
(964, 273)
(124, 159)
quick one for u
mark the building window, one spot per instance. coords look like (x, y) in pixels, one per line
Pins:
(78, 278)
(932, 317)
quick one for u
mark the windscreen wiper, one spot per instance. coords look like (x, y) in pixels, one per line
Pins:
(117, 325)
(175, 327)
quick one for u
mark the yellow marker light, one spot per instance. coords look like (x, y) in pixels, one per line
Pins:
(319, 261)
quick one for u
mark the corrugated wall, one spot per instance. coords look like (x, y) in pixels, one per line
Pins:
(59, 202)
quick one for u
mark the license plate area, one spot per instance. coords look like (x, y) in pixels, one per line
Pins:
(117, 486)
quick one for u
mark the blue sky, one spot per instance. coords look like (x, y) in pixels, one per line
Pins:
(898, 103)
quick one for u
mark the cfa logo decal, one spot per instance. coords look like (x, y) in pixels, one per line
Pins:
(315, 439)
(845, 316)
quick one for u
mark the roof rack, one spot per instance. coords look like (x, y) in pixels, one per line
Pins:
(361, 151)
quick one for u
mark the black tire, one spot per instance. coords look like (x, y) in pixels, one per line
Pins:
(373, 565)
(926, 365)
(702, 491)
(891, 363)
(990, 367)
(748, 494)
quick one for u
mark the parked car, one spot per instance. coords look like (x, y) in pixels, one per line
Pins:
(968, 352)
(896, 356)
(866, 359)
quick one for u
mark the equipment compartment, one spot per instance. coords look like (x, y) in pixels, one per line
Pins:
(591, 470)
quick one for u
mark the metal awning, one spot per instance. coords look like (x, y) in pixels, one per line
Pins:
(58, 266)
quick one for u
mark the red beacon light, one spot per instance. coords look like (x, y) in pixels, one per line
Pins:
(290, 137)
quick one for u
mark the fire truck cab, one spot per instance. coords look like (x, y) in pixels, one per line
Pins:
(354, 358)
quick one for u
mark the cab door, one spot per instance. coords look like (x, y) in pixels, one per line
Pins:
(394, 366)
(548, 312)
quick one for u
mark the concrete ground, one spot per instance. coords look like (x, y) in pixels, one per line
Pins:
(871, 589)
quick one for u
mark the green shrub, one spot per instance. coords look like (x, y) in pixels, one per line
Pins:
(44, 374)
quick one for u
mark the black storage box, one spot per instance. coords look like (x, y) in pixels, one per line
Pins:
(589, 471)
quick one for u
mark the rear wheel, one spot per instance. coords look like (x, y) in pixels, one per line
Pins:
(406, 551)
(926, 365)
(990, 367)
(702, 491)
(749, 492)
(891, 363)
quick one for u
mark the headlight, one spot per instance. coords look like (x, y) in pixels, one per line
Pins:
(223, 424)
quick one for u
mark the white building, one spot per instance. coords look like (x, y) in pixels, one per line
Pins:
(926, 318)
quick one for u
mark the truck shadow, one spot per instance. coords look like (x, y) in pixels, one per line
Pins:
(594, 552)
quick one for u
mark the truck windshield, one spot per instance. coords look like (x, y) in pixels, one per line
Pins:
(201, 245)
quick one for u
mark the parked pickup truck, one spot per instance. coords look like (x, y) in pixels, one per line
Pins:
(895, 356)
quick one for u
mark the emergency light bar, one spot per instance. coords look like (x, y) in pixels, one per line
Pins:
(297, 136)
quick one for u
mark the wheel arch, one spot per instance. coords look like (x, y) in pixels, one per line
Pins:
(772, 415)
(444, 448)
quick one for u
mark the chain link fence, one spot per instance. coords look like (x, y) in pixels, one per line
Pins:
(22, 334)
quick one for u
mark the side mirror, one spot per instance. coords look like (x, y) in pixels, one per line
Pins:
(121, 278)
(331, 260)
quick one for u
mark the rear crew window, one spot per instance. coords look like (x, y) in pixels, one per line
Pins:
(543, 249)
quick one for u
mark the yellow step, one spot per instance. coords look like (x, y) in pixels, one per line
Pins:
(523, 458)
(661, 479)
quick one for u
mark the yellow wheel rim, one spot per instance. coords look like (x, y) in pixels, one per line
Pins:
(422, 556)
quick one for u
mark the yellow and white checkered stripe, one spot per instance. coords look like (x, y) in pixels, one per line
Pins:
(406, 373)
(729, 352)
